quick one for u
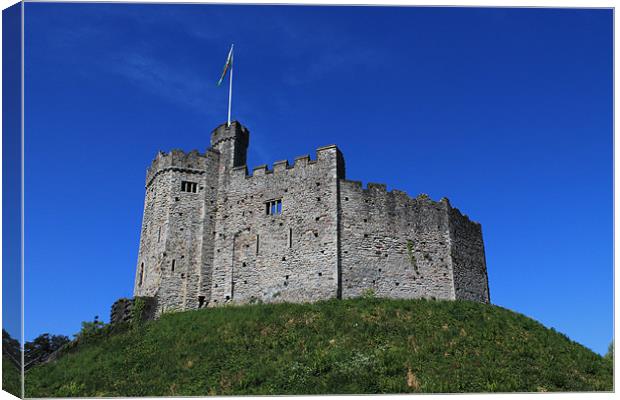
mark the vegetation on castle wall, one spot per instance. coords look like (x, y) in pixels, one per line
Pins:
(137, 312)
(365, 345)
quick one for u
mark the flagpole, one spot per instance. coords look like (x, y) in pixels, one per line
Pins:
(230, 79)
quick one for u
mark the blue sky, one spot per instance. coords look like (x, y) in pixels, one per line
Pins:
(11, 171)
(507, 112)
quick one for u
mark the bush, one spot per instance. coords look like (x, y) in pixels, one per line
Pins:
(90, 329)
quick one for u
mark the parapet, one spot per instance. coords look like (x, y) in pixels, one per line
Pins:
(379, 191)
(324, 155)
(234, 131)
(456, 214)
(178, 160)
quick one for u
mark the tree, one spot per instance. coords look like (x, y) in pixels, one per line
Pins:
(610, 352)
(11, 348)
(42, 347)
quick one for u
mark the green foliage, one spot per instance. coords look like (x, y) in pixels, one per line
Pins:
(11, 365)
(11, 348)
(11, 377)
(365, 345)
(39, 349)
(137, 312)
(71, 389)
(368, 294)
(91, 330)
(610, 352)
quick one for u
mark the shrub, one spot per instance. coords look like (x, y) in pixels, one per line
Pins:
(369, 294)
(90, 329)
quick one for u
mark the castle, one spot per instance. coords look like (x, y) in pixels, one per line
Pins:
(213, 234)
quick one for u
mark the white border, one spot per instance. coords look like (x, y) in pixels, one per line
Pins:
(462, 3)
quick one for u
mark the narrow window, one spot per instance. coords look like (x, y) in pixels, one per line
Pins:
(257, 243)
(290, 238)
(173, 262)
(190, 187)
(141, 273)
(159, 234)
(273, 207)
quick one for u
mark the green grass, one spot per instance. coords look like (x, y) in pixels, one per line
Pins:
(11, 377)
(352, 346)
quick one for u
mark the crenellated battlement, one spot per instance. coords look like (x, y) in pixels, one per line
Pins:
(327, 156)
(178, 160)
(235, 131)
(380, 189)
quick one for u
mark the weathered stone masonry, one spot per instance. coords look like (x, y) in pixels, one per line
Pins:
(213, 234)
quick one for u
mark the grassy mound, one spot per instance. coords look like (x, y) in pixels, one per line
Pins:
(351, 346)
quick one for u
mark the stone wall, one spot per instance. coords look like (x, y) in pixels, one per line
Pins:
(122, 310)
(469, 264)
(392, 244)
(290, 256)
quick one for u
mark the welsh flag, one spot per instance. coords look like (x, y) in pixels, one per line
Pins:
(227, 66)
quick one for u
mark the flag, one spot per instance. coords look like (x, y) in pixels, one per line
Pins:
(227, 66)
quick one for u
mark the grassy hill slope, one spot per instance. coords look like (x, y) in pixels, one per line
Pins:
(352, 346)
(11, 377)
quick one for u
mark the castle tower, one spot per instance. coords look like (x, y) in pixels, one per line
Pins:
(175, 248)
(232, 144)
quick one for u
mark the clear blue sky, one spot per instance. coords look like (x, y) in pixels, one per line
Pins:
(507, 112)
(11, 171)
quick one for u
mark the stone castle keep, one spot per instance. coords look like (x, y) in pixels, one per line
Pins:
(213, 234)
